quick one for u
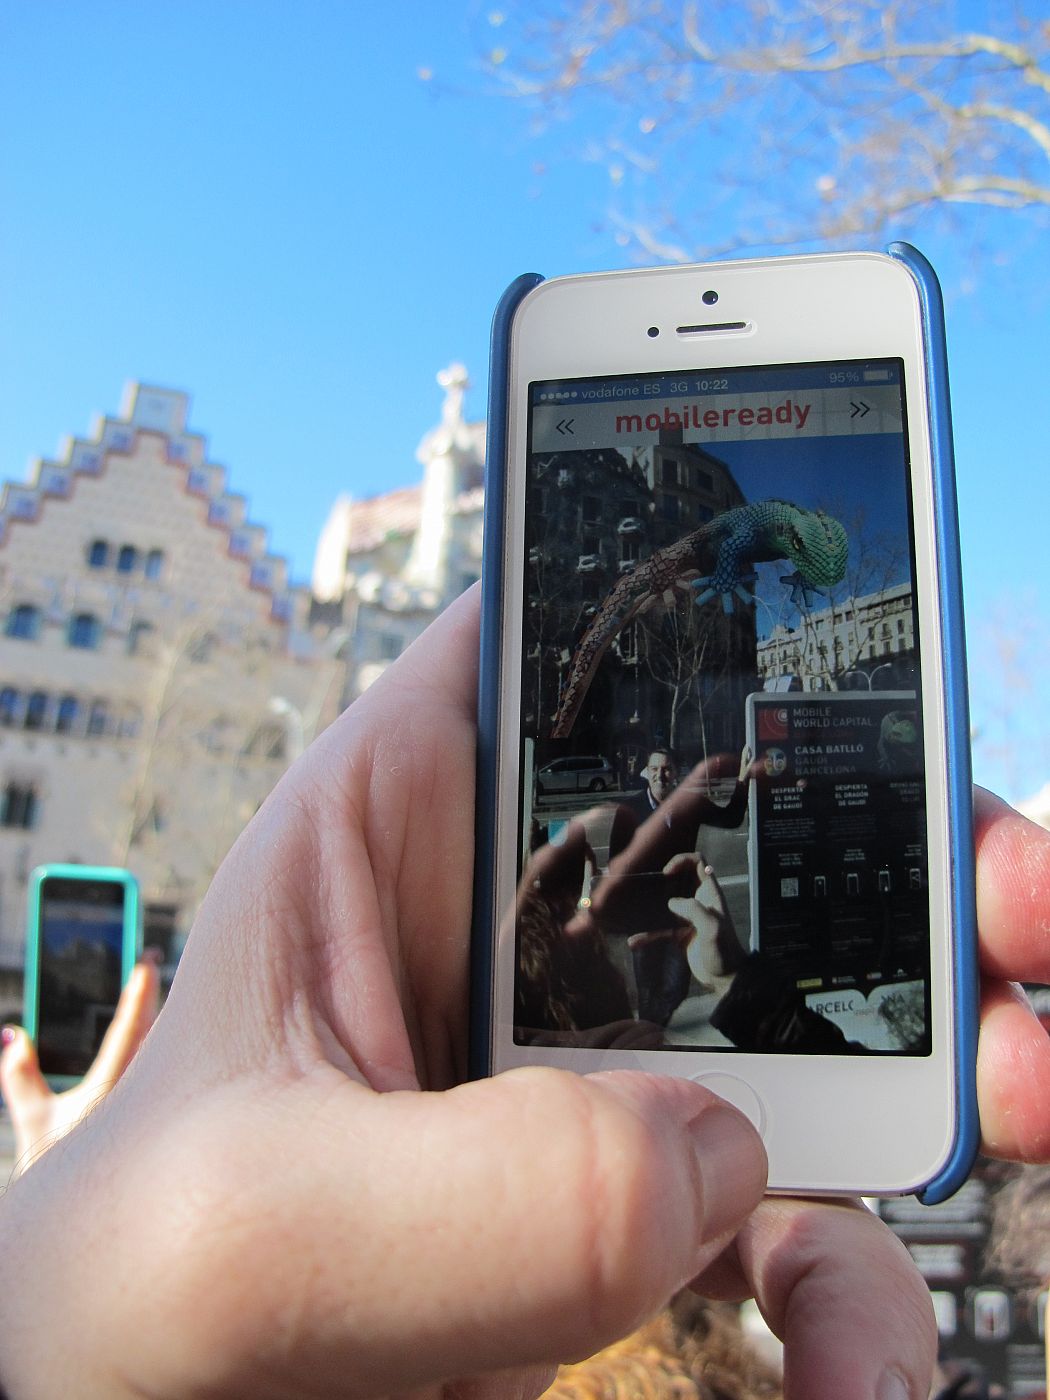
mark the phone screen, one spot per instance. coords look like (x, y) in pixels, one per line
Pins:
(81, 948)
(723, 793)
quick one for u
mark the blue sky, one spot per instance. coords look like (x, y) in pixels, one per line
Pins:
(262, 204)
(858, 479)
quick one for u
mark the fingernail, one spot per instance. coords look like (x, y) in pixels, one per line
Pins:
(8, 1035)
(733, 1164)
(892, 1386)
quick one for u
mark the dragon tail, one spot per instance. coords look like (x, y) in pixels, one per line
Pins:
(613, 617)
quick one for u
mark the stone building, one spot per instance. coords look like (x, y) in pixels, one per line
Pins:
(866, 643)
(157, 670)
(594, 516)
(385, 567)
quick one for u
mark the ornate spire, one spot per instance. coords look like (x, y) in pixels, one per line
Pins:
(455, 382)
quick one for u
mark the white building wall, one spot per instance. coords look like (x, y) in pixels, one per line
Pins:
(853, 634)
(407, 554)
(203, 710)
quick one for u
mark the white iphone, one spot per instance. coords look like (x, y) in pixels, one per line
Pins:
(724, 822)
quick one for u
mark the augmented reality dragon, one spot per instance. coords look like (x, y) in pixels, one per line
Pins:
(815, 543)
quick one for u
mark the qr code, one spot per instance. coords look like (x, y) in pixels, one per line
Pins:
(789, 887)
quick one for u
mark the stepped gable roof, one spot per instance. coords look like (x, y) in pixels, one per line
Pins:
(150, 408)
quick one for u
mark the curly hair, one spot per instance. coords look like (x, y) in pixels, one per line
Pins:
(563, 983)
(1019, 1247)
(694, 1350)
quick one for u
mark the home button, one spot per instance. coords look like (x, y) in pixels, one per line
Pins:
(737, 1092)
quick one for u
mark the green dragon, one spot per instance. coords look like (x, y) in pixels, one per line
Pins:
(815, 543)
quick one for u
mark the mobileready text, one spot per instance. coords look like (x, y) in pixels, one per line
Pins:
(692, 415)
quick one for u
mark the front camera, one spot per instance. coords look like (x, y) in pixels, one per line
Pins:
(709, 298)
(653, 332)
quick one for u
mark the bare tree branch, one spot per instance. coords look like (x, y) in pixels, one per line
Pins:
(855, 117)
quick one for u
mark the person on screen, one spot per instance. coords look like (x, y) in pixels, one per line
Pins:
(659, 778)
(661, 970)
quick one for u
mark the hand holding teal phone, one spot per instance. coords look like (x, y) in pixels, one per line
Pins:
(83, 937)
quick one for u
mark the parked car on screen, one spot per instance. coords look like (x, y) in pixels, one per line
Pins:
(578, 773)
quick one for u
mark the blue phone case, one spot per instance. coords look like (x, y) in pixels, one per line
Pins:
(960, 780)
(966, 981)
(493, 551)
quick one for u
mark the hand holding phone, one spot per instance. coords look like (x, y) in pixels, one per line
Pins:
(526, 1180)
(83, 938)
(722, 532)
(40, 1116)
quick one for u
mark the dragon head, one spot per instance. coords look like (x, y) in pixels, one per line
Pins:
(817, 545)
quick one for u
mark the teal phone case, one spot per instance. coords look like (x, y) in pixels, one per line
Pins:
(131, 942)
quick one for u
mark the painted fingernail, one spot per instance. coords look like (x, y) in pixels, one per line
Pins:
(733, 1166)
(892, 1386)
(8, 1035)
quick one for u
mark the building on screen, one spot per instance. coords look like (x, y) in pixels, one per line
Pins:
(862, 643)
(594, 516)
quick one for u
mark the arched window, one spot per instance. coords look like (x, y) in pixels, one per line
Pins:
(139, 637)
(98, 718)
(36, 709)
(98, 554)
(85, 631)
(8, 705)
(18, 805)
(154, 563)
(68, 710)
(127, 559)
(24, 621)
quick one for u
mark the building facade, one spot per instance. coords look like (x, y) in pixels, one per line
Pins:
(157, 670)
(593, 516)
(866, 643)
(385, 567)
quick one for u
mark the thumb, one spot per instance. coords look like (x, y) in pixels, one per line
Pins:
(402, 1239)
(26, 1092)
(136, 1011)
(556, 1212)
(22, 1083)
(685, 909)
